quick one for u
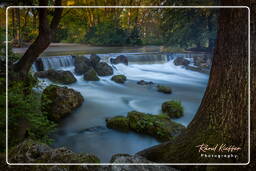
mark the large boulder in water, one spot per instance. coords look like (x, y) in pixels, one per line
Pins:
(181, 61)
(103, 69)
(59, 102)
(34, 152)
(91, 75)
(82, 64)
(158, 126)
(120, 59)
(57, 76)
(94, 59)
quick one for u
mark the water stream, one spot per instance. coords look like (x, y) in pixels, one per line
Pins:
(85, 131)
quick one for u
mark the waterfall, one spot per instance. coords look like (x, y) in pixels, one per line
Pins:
(52, 62)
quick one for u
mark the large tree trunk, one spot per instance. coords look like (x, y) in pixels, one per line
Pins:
(222, 117)
(43, 40)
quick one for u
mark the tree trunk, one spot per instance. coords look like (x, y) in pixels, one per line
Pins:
(43, 40)
(222, 117)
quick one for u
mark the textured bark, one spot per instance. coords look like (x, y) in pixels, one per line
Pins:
(223, 114)
(42, 41)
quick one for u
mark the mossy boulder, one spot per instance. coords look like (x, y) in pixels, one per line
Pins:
(158, 126)
(58, 101)
(94, 59)
(103, 69)
(91, 75)
(173, 109)
(82, 64)
(118, 122)
(119, 78)
(164, 89)
(34, 152)
(57, 76)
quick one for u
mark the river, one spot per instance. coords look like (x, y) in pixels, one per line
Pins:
(84, 131)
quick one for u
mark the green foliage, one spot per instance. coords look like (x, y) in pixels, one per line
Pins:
(25, 119)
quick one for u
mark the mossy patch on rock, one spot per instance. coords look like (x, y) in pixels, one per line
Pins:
(173, 108)
(118, 122)
(119, 78)
(34, 152)
(58, 101)
(164, 89)
(158, 126)
(91, 75)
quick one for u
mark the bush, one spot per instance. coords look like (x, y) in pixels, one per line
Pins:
(25, 119)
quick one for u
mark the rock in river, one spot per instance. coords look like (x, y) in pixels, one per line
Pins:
(103, 69)
(82, 64)
(173, 109)
(120, 59)
(164, 89)
(91, 75)
(119, 78)
(58, 101)
(57, 76)
(181, 61)
(158, 126)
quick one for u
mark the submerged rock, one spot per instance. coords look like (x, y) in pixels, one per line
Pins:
(164, 89)
(173, 109)
(103, 69)
(142, 82)
(120, 59)
(118, 122)
(34, 152)
(91, 75)
(58, 102)
(82, 65)
(158, 126)
(119, 78)
(57, 76)
(198, 69)
(181, 61)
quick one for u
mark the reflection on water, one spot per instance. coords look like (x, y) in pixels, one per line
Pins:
(85, 130)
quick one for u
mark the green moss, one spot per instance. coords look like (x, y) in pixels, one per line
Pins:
(91, 75)
(118, 122)
(173, 108)
(164, 89)
(119, 78)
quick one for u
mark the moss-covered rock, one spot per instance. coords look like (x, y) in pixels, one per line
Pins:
(158, 126)
(91, 75)
(34, 152)
(103, 69)
(173, 108)
(118, 122)
(58, 101)
(164, 89)
(57, 76)
(119, 78)
(82, 64)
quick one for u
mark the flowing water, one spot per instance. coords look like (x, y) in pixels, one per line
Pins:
(85, 131)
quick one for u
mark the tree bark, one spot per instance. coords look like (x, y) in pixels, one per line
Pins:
(222, 117)
(42, 41)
